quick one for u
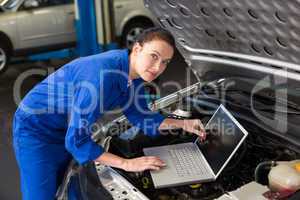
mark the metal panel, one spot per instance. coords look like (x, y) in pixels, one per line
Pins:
(267, 31)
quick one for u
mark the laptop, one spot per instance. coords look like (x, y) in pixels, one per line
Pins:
(197, 162)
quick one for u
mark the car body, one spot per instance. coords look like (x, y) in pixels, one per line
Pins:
(131, 18)
(28, 27)
(33, 26)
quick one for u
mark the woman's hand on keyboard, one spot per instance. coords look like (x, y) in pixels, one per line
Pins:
(143, 163)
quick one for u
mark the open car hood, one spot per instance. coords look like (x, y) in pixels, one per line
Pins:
(251, 43)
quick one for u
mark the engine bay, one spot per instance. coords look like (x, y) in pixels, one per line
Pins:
(261, 145)
(239, 171)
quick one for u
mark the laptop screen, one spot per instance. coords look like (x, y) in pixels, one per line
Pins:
(224, 136)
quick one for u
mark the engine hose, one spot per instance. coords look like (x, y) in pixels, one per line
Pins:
(266, 167)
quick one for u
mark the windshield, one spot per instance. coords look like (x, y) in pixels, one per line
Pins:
(8, 4)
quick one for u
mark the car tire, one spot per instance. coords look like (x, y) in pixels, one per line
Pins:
(4, 57)
(131, 31)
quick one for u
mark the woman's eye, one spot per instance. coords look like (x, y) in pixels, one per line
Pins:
(154, 56)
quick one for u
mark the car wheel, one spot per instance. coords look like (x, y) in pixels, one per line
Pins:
(132, 31)
(4, 57)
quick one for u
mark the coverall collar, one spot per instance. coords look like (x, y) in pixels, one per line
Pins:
(124, 78)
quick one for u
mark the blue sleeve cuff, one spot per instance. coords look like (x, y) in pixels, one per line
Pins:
(151, 124)
(87, 152)
(95, 152)
(82, 147)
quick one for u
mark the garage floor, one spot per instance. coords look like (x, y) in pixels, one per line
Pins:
(9, 186)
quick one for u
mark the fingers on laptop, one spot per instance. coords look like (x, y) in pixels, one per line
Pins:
(154, 163)
(146, 163)
(201, 134)
(195, 126)
(200, 130)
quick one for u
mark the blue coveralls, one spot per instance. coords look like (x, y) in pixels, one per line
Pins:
(53, 122)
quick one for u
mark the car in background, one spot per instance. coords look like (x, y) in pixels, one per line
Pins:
(35, 26)
(131, 18)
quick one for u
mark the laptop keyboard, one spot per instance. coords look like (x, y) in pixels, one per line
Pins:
(188, 161)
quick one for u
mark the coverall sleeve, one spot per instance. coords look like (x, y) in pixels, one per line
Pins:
(141, 116)
(84, 113)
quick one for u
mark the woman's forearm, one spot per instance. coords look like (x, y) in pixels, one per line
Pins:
(133, 165)
(169, 123)
(111, 160)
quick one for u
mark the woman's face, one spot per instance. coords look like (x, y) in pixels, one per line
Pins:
(151, 59)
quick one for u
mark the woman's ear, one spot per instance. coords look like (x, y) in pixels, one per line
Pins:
(136, 47)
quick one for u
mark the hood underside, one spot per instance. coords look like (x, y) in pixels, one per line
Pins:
(260, 35)
(257, 40)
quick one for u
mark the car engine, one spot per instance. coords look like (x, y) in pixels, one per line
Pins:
(262, 144)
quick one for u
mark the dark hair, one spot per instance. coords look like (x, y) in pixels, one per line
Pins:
(156, 33)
